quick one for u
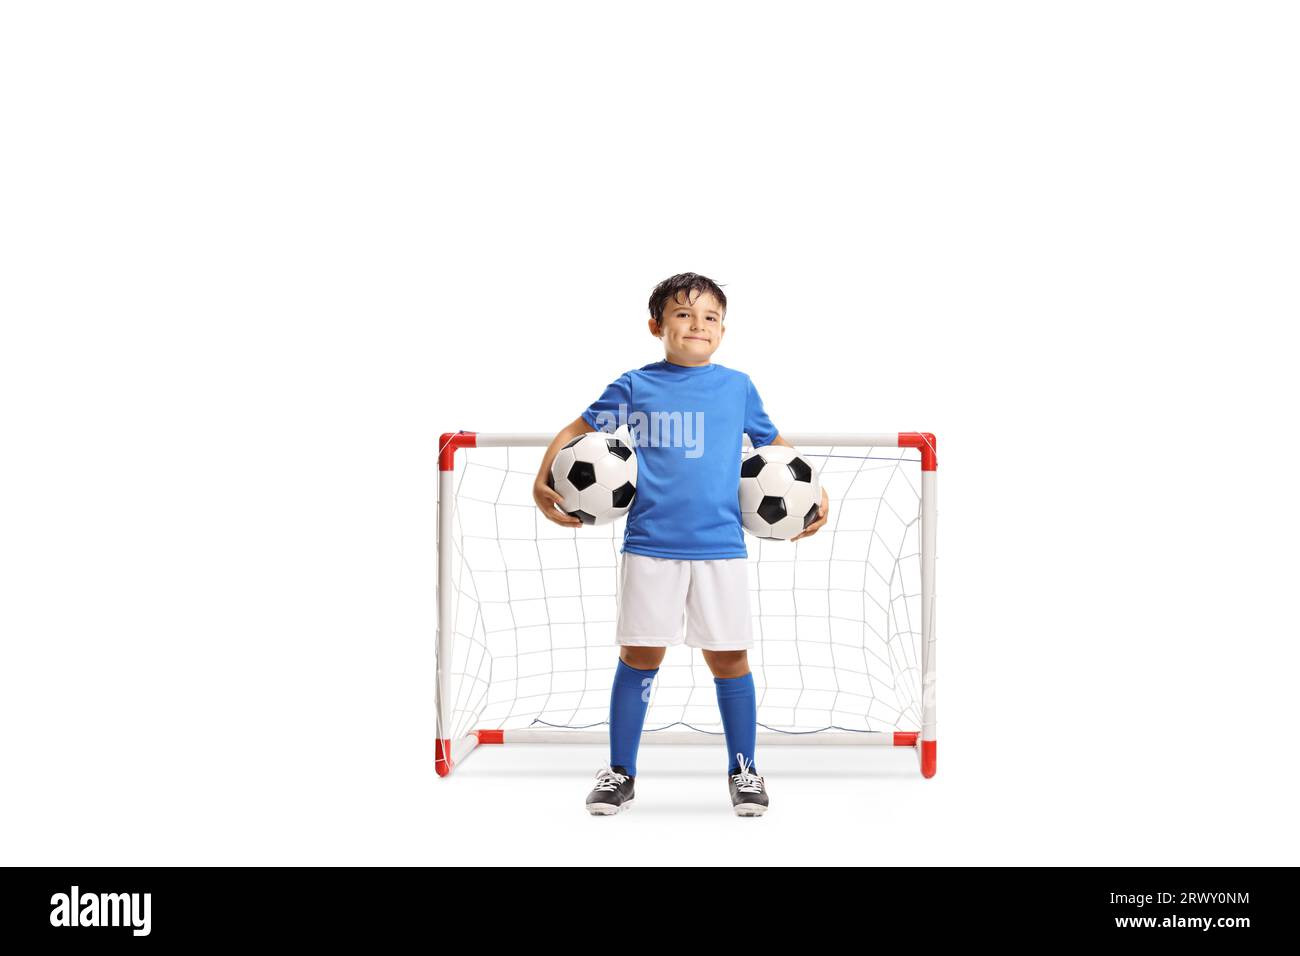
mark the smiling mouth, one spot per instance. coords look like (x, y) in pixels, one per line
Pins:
(695, 338)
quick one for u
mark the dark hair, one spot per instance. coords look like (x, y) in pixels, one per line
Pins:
(687, 282)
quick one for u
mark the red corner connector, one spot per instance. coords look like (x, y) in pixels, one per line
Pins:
(447, 446)
(442, 756)
(490, 736)
(929, 757)
(925, 441)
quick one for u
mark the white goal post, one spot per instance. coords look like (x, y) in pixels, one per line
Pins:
(843, 620)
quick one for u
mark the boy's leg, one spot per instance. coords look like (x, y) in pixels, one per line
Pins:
(737, 703)
(629, 700)
(719, 623)
(652, 594)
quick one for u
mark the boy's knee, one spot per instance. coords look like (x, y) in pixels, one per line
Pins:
(727, 663)
(642, 658)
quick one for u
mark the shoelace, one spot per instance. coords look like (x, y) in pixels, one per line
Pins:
(746, 780)
(608, 779)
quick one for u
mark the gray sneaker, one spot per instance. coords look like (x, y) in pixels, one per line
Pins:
(613, 791)
(748, 797)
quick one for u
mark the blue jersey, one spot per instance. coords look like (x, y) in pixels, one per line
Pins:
(685, 423)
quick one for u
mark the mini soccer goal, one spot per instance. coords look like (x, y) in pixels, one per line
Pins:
(844, 646)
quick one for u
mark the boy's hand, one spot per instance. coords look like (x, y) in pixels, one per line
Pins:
(547, 499)
(822, 513)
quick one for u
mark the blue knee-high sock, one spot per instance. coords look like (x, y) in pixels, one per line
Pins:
(628, 702)
(739, 710)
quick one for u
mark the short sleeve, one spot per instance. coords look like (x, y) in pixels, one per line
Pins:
(613, 407)
(758, 426)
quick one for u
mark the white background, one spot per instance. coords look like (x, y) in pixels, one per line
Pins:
(255, 257)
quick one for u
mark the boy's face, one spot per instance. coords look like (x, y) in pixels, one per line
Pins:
(691, 331)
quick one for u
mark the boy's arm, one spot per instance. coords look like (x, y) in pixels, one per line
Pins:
(546, 497)
(822, 512)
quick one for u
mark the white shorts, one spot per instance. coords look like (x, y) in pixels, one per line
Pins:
(713, 597)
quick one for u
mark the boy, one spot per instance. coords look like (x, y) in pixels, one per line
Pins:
(683, 545)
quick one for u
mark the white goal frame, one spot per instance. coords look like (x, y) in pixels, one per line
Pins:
(448, 752)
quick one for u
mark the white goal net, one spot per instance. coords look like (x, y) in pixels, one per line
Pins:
(527, 609)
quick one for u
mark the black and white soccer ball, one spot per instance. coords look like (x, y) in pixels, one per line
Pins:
(596, 475)
(779, 492)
